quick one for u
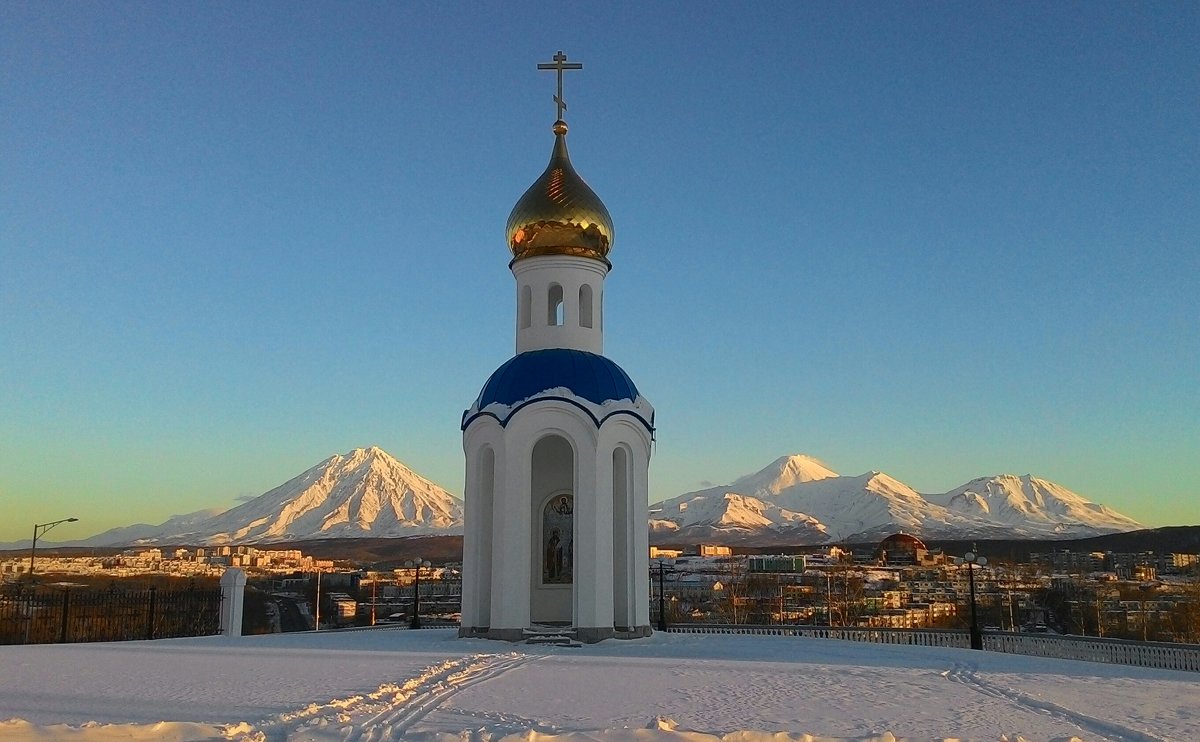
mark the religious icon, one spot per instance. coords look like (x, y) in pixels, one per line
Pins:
(557, 541)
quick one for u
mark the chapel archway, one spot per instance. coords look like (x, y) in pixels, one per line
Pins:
(552, 500)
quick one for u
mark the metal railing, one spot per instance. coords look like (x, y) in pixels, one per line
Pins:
(1089, 649)
(917, 637)
(45, 615)
(1162, 655)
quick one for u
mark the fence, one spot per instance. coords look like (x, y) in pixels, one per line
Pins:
(43, 615)
(917, 637)
(1113, 651)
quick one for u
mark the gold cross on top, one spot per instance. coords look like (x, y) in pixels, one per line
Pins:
(559, 64)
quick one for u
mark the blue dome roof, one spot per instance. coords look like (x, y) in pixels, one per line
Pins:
(587, 375)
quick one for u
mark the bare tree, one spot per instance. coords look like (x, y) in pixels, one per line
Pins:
(733, 602)
(1185, 616)
(844, 587)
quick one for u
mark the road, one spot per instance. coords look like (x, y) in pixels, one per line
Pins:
(291, 618)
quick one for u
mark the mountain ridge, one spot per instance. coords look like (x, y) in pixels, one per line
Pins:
(822, 506)
(794, 500)
(365, 492)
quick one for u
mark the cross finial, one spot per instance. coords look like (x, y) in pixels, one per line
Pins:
(559, 64)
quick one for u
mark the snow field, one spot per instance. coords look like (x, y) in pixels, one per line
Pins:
(367, 686)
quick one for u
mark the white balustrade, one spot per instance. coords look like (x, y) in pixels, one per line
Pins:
(1091, 649)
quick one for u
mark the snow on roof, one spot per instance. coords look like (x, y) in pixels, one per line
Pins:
(588, 375)
(590, 381)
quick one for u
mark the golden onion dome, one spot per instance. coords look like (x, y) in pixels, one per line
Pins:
(560, 214)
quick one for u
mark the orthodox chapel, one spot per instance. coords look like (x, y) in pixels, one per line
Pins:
(558, 442)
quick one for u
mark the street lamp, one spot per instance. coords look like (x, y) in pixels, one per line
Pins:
(415, 623)
(39, 529)
(971, 559)
(374, 582)
(661, 624)
(317, 616)
(662, 596)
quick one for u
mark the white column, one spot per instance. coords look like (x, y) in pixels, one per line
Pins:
(594, 528)
(639, 505)
(471, 561)
(474, 570)
(233, 597)
(483, 440)
(511, 563)
(624, 527)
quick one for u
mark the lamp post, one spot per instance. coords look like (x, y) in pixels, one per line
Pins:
(374, 582)
(415, 623)
(39, 529)
(971, 559)
(317, 616)
(662, 596)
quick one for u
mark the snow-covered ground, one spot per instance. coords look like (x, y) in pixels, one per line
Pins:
(429, 685)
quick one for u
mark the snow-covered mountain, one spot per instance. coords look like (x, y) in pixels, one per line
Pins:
(797, 499)
(794, 500)
(1027, 499)
(782, 473)
(365, 493)
(146, 533)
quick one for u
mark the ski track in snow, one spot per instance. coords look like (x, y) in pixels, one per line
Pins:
(967, 675)
(501, 724)
(387, 713)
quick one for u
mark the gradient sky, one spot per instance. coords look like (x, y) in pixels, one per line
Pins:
(941, 240)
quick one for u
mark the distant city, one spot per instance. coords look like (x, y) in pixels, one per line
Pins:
(178, 562)
(898, 583)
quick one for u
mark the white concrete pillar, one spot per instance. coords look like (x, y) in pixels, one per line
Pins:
(472, 612)
(593, 571)
(233, 600)
(511, 558)
(640, 566)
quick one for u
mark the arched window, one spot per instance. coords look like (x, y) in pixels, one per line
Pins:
(555, 310)
(526, 306)
(585, 305)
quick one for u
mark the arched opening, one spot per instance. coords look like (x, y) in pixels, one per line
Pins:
(623, 578)
(552, 503)
(555, 311)
(484, 507)
(585, 305)
(526, 307)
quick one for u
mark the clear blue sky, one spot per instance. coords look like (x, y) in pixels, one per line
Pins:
(941, 240)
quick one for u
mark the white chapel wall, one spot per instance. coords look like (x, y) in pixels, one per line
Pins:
(544, 280)
(627, 433)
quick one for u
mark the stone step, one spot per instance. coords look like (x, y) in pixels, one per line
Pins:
(554, 641)
(549, 631)
(551, 636)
